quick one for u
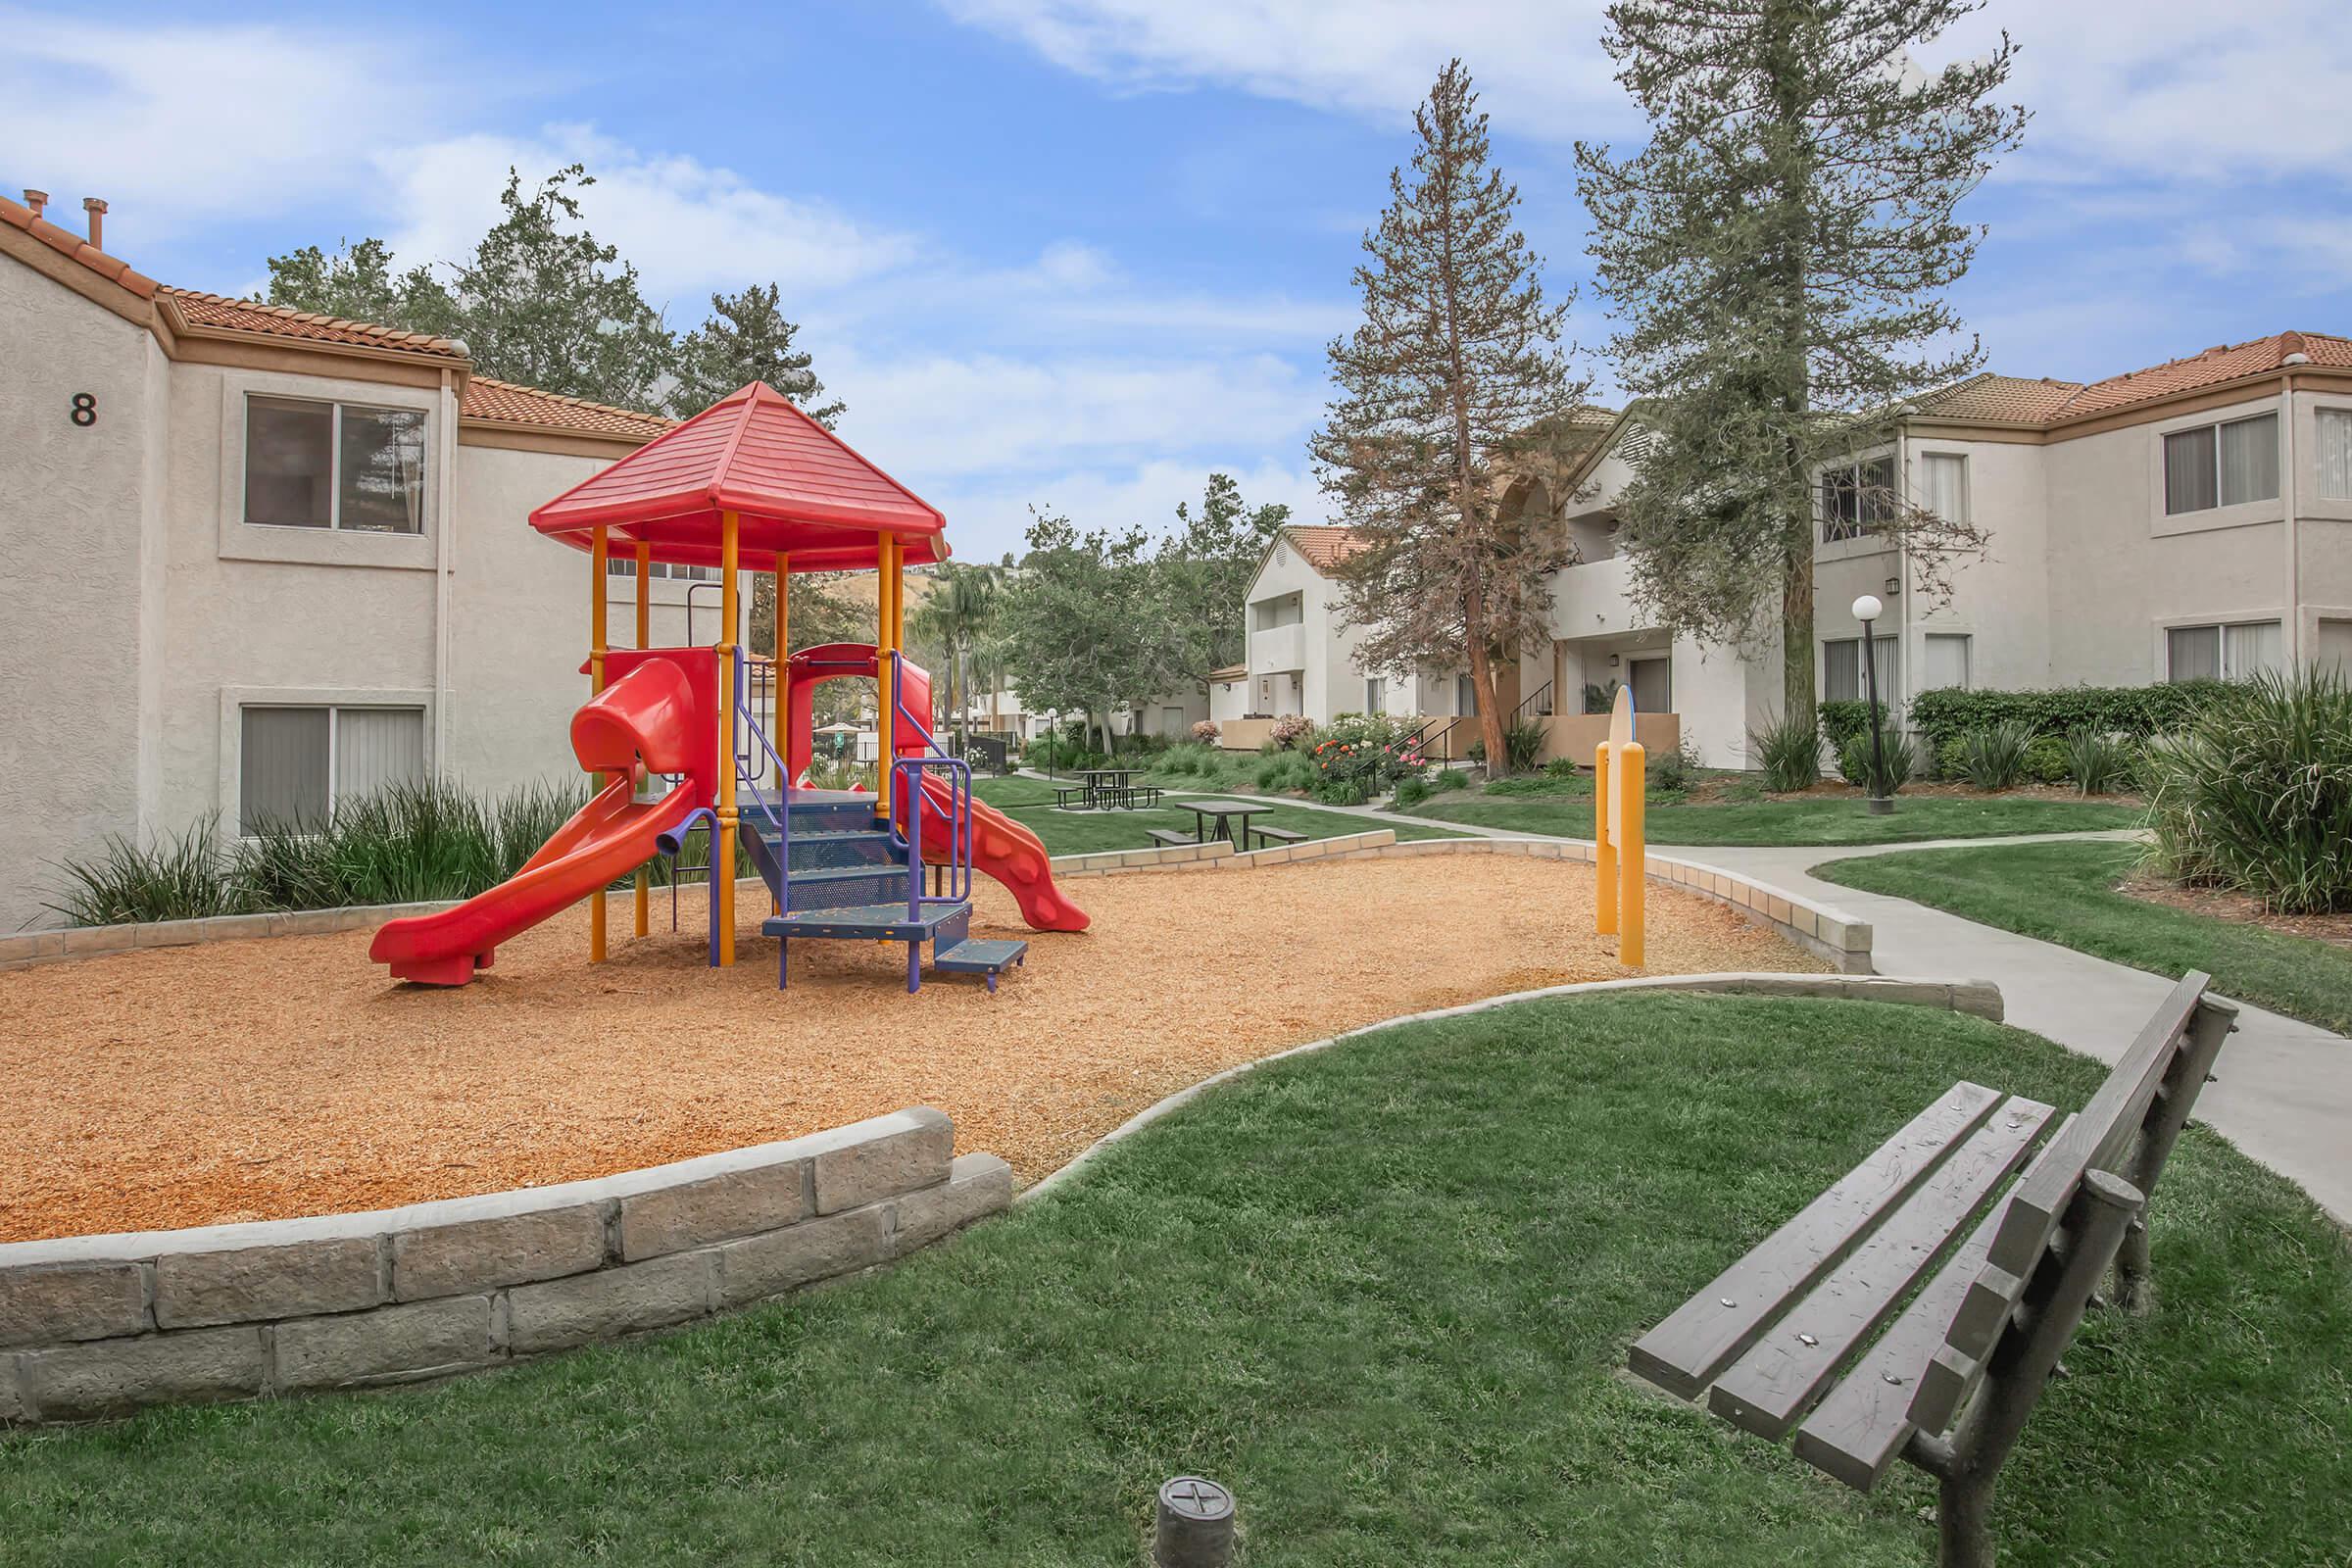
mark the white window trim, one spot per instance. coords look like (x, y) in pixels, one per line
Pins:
(239, 540)
(2309, 502)
(1821, 671)
(229, 795)
(1878, 542)
(2242, 515)
(1968, 480)
(2241, 618)
(334, 462)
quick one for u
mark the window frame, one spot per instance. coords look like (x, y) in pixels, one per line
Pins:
(334, 453)
(1968, 491)
(1889, 692)
(1863, 523)
(1968, 658)
(234, 699)
(1376, 694)
(2220, 627)
(2221, 513)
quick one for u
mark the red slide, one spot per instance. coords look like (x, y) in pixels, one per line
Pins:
(649, 717)
(1003, 848)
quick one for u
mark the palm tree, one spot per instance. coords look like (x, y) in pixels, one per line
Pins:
(957, 616)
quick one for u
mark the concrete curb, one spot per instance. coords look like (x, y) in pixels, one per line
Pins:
(94, 1326)
(1979, 998)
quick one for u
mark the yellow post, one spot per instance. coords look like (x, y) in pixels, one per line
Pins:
(645, 637)
(599, 553)
(1632, 854)
(722, 848)
(1604, 854)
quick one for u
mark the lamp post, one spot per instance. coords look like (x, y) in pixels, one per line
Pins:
(1865, 611)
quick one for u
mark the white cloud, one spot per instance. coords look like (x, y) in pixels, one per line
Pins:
(986, 520)
(178, 126)
(688, 227)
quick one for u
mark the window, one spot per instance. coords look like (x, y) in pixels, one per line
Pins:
(2335, 649)
(1376, 695)
(2336, 454)
(2221, 464)
(1946, 662)
(1652, 680)
(334, 466)
(658, 570)
(2222, 652)
(1171, 721)
(1841, 672)
(1943, 485)
(1465, 696)
(298, 764)
(1856, 499)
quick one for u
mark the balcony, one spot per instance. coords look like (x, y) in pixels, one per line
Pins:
(1278, 647)
(1594, 600)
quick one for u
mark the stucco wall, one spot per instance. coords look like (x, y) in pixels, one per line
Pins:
(78, 517)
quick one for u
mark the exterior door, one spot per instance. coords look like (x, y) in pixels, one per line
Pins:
(1653, 685)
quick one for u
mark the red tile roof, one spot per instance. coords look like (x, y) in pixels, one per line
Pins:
(504, 402)
(279, 321)
(2000, 399)
(1324, 546)
(66, 244)
(2013, 399)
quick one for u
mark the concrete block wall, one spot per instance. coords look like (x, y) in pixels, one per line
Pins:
(99, 1325)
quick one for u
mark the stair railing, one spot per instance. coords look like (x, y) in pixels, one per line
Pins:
(1537, 706)
(908, 773)
(747, 764)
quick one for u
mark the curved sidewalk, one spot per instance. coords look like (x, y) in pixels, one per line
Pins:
(2282, 1089)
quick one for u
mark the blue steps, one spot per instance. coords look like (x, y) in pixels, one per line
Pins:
(847, 881)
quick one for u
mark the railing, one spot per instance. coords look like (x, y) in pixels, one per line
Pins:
(1435, 737)
(908, 775)
(1537, 706)
(748, 769)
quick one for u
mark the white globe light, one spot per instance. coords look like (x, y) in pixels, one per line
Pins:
(1867, 608)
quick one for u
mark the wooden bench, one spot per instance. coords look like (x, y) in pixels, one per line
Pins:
(1267, 837)
(1173, 837)
(1066, 795)
(1950, 1382)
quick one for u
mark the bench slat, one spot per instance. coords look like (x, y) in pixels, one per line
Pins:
(1684, 1354)
(1858, 1432)
(1769, 1389)
(2099, 1136)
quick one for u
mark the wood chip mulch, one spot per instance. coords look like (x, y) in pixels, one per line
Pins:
(2242, 908)
(268, 1079)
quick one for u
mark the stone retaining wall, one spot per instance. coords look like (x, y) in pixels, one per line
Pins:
(98, 1325)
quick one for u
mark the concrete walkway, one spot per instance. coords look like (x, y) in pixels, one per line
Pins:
(2283, 1088)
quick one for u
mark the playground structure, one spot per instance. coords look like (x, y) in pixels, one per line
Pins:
(1619, 776)
(751, 483)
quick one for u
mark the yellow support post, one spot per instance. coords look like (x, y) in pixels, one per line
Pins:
(1604, 854)
(722, 847)
(1632, 852)
(645, 635)
(599, 553)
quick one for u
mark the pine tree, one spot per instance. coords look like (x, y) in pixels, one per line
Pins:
(747, 339)
(1455, 381)
(1204, 568)
(1777, 257)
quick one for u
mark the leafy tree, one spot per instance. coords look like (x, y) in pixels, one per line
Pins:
(1204, 568)
(542, 302)
(356, 283)
(1455, 380)
(1079, 626)
(746, 339)
(959, 617)
(1776, 256)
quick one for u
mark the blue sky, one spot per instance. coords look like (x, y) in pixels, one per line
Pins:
(1081, 252)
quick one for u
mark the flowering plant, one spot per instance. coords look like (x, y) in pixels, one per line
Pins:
(1206, 732)
(1363, 755)
(1292, 729)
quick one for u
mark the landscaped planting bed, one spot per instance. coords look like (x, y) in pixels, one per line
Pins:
(264, 1079)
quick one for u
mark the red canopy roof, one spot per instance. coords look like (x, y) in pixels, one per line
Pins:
(794, 486)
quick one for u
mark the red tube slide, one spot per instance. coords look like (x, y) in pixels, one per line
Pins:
(650, 714)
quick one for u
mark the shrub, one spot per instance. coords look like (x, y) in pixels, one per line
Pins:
(1206, 732)
(1674, 770)
(179, 879)
(1287, 771)
(1363, 755)
(1600, 698)
(1946, 714)
(1882, 772)
(1413, 791)
(1522, 743)
(1790, 752)
(1292, 731)
(2256, 794)
(1842, 719)
(1450, 778)
(1992, 756)
(2045, 759)
(2099, 763)
(1561, 768)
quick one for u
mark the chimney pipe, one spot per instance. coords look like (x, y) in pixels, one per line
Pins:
(97, 210)
(36, 200)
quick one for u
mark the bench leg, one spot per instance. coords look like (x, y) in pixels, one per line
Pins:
(2212, 1024)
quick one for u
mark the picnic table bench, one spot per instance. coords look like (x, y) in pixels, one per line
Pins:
(1950, 1383)
(1277, 835)
(1175, 838)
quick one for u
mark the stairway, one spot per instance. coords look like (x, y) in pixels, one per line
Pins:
(846, 878)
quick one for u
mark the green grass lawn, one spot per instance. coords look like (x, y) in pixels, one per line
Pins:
(1765, 821)
(2065, 893)
(1030, 802)
(1384, 1292)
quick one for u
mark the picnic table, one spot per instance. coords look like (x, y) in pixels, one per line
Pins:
(1224, 812)
(1108, 789)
